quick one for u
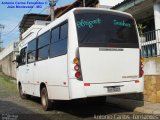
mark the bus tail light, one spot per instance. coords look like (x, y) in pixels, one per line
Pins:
(141, 72)
(76, 68)
(76, 60)
(77, 75)
(142, 60)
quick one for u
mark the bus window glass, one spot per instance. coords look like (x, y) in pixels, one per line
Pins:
(59, 48)
(31, 57)
(55, 35)
(104, 28)
(64, 31)
(44, 39)
(43, 53)
(23, 56)
(32, 45)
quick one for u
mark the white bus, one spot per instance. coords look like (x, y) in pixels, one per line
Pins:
(86, 53)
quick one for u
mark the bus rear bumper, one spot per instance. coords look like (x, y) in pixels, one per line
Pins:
(93, 90)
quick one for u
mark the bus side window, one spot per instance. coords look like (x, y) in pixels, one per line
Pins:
(55, 35)
(43, 46)
(31, 53)
(59, 47)
(22, 56)
(64, 32)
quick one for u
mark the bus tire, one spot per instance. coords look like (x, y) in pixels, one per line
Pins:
(21, 94)
(46, 103)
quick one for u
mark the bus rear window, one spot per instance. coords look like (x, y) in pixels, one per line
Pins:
(105, 29)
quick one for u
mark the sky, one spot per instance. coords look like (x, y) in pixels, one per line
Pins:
(11, 17)
(110, 2)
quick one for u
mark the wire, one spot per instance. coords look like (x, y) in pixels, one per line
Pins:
(6, 34)
(32, 7)
(19, 22)
(47, 17)
(43, 10)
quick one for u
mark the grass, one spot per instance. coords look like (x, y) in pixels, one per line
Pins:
(6, 84)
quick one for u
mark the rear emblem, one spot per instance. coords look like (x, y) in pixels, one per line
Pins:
(111, 49)
(134, 76)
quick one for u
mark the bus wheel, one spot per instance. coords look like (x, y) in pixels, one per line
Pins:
(22, 95)
(46, 104)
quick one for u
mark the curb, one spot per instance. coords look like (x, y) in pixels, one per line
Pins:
(135, 105)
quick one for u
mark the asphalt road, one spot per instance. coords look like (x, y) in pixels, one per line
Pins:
(12, 107)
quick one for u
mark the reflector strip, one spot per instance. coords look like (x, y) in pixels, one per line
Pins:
(86, 84)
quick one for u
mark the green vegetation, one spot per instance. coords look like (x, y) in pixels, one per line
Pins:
(6, 84)
(141, 27)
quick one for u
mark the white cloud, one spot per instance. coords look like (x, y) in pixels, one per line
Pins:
(110, 2)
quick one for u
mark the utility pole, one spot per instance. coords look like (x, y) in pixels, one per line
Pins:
(52, 4)
(84, 3)
(1, 28)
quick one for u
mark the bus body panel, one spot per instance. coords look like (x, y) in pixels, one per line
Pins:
(72, 47)
(21, 77)
(56, 77)
(29, 76)
(53, 67)
(126, 88)
(79, 90)
(58, 92)
(76, 89)
(108, 65)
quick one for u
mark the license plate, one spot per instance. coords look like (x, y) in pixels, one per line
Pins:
(113, 89)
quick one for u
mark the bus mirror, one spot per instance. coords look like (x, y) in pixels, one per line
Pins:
(18, 59)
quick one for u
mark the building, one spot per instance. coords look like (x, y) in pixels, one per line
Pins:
(29, 19)
(6, 57)
(79, 3)
(30, 24)
(147, 16)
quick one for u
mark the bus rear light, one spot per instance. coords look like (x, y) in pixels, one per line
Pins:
(76, 60)
(142, 60)
(141, 73)
(76, 68)
(142, 66)
(77, 75)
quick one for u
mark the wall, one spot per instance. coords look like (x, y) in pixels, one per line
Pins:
(151, 82)
(152, 79)
(8, 67)
(152, 88)
(152, 66)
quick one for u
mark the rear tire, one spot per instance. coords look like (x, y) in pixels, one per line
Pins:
(46, 103)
